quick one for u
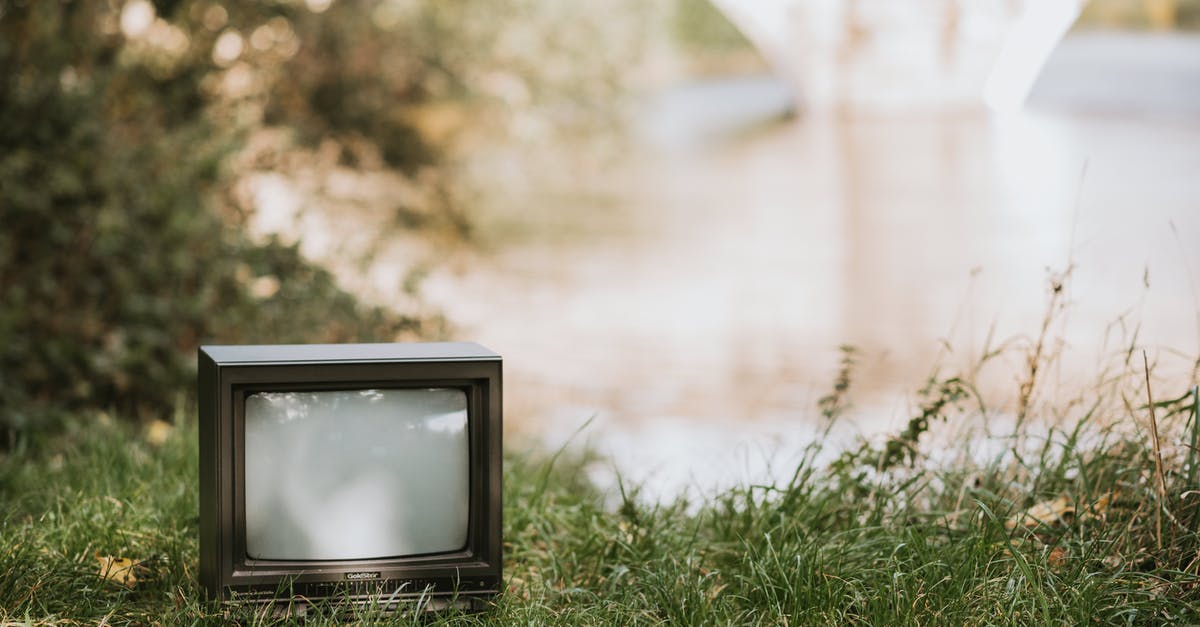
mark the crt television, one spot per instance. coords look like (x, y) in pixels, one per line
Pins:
(355, 471)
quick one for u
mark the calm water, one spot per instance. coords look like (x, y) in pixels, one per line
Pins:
(700, 314)
(742, 261)
(692, 298)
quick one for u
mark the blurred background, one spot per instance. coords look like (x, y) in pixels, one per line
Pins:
(668, 217)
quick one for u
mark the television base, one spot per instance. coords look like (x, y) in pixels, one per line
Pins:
(351, 608)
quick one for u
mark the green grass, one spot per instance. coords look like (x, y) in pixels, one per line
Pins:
(856, 541)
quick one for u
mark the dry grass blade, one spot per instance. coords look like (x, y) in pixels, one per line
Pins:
(1160, 478)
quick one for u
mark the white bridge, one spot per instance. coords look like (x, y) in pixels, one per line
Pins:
(898, 55)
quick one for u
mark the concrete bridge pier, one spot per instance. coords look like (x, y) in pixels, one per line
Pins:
(905, 55)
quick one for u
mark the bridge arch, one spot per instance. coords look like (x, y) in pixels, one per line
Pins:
(906, 54)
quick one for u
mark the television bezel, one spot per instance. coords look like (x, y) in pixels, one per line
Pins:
(227, 375)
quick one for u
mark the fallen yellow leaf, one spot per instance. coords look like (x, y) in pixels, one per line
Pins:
(1050, 513)
(117, 569)
(1060, 511)
(158, 431)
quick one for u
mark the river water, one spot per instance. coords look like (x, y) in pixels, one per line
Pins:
(697, 316)
(690, 300)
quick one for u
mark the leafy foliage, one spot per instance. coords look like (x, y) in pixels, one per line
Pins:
(114, 260)
(121, 123)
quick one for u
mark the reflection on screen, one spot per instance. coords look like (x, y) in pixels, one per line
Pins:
(356, 474)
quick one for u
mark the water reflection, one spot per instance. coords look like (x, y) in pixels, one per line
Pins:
(693, 299)
(743, 263)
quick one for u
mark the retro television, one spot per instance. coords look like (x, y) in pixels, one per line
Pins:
(350, 471)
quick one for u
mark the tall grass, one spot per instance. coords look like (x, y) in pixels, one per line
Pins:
(1058, 525)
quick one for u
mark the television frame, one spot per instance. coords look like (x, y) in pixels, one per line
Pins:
(228, 375)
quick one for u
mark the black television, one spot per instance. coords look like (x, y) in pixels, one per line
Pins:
(367, 472)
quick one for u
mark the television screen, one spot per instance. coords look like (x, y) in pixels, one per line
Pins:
(356, 470)
(359, 499)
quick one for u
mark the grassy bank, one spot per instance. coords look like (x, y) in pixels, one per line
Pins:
(1075, 533)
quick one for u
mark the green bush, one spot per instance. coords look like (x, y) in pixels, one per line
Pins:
(119, 241)
(114, 263)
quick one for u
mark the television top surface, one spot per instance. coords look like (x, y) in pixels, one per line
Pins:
(409, 351)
